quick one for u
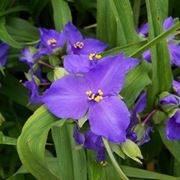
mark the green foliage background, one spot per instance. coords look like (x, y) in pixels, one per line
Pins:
(42, 147)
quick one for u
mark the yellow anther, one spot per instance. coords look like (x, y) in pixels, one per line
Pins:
(79, 44)
(88, 92)
(98, 56)
(91, 56)
(52, 41)
(92, 97)
(98, 98)
(100, 92)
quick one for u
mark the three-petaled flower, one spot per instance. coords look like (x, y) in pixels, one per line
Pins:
(83, 54)
(50, 40)
(96, 92)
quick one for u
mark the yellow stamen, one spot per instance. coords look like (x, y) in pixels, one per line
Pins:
(91, 56)
(92, 97)
(98, 56)
(98, 98)
(52, 41)
(79, 44)
(100, 92)
(88, 92)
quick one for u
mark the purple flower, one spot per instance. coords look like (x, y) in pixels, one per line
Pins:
(28, 56)
(143, 30)
(174, 49)
(173, 123)
(96, 92)
(176, 87)
(78, 45)
(168, 23)
(170, 99)
(132, 136)
(50, 40)
(174, 54)
(173, 127)
(147, 55)
(138, 132)
(138, 107)
(89, 140)
(81, 63)
(146, 138)
(3, 53)
(35, 98)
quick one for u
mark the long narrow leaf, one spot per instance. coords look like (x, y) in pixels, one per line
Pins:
(31, 144)
(61, 12)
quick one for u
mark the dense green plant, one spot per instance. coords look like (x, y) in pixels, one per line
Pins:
(34, 144)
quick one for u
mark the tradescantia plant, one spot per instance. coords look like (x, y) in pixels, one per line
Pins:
(96, 102)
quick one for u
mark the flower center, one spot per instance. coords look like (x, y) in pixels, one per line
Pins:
(96, 56)
(96, 97)
(52, 42)
(79, 44)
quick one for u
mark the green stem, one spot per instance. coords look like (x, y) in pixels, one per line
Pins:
(170, 32)
(114, 162)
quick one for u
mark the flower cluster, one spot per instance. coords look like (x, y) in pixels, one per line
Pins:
(86, 85)
(90, 86)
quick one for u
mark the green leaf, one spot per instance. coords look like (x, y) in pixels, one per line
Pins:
(6, 37)
(17, 174)
(82, 120)
(14, 9)
(136, 80)
(105, 18)
(63, 152)
(61, 13)
(163, 36)
(31, 144)
(140, 173)
(115, 148)
(172, 146)
(124, 17)
(127, 49)
(13, 89)
(79, 158)
(22, 31)
(7, 140)
(113, 160)
(2, 119)
(59, 72)
(159, 53)
(136, 11)
(37, 6)
(5, 4)
(132, 150)
(136, 49)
